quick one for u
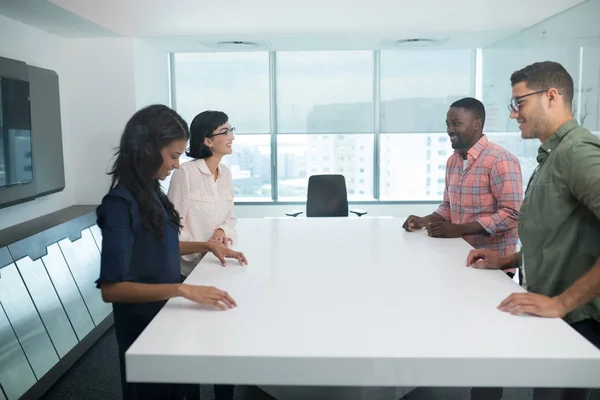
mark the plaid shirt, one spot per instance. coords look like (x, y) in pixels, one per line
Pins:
(489, 191)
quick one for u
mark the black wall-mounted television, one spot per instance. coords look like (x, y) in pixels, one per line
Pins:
(15, 133)
(31, 152)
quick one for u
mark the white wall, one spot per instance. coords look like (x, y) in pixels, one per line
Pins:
(151, 75)
(107, 81)
(99, 86)
(40, 49)
(116, 77)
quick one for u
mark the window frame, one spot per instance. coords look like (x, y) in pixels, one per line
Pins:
(274, 134)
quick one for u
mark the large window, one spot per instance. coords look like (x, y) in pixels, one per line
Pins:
(417, 87)
(236, 83)
(377, 117)
(324, 120)
(324, 92)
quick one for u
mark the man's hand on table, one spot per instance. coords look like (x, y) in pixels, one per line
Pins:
(444, 229)
(517, 303)
(414, 223)
(484, 259)
(534, 304)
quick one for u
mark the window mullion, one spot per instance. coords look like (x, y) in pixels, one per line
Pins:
(273, 123)
(376, 122)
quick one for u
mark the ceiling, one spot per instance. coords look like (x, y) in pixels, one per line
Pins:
(188, 25)
(51, 18)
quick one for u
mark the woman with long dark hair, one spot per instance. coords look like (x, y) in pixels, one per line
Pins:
(140, 267)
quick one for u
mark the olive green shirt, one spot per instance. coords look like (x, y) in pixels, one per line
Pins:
(559, 223)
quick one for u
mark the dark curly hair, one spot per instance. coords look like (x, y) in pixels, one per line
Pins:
(139, 158)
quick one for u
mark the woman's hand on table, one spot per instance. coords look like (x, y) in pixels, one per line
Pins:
(220, 237)
(207, 295)
(222, 253)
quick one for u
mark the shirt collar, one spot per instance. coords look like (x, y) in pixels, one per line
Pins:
(552, 143)
(477, 148)
(201, 163)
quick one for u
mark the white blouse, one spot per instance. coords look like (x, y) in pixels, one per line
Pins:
(204, 205)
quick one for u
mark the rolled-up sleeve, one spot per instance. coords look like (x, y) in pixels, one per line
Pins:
(583, 163)
(444, 208)
(117, 240)
(506, 183)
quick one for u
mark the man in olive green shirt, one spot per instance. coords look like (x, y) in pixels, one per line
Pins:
(559, 222)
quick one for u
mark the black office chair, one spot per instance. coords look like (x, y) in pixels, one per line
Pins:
(326, 197)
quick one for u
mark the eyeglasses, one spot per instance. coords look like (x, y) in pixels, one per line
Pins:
(514, 105)
(229, 132)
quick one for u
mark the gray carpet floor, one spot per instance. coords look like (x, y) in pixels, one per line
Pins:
(96, 377)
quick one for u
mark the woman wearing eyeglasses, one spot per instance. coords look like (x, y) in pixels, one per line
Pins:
(202, 189)
(202, 192)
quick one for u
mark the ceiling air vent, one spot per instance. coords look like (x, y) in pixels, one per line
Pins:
(417, 42)
(236, 45)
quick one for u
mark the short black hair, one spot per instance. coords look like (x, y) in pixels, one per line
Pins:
(203, 125)
(546, 75)
(473, 105)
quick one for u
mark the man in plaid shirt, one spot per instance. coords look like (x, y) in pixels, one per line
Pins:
(484, 187)
(483, 194)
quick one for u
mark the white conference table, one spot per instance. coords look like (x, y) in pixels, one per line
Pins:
(352, 302)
